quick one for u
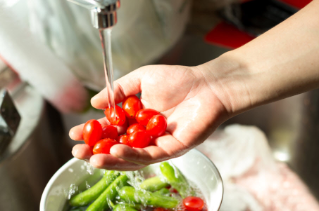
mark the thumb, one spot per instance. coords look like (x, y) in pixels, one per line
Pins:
(123, 87)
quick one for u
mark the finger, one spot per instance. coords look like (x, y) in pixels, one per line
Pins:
(76, 133)
(82, 151)
(167, 147)
(123, 87)
(106, 161)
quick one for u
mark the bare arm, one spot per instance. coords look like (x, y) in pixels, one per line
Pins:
(282, 62)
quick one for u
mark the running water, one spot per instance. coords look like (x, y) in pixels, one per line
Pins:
(105, 37)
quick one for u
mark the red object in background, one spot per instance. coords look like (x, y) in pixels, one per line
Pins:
(297, 3)
(227, 35)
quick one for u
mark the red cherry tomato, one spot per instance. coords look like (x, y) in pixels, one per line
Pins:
(135, 128)
(132, 121)
(156, 126)
(173, 190)
(192, 203)
(117, 117)
(104, 146)
(109, 131)
(139, 139)
(144, 115)
(123, 139)
(92, 132)
(131, 106)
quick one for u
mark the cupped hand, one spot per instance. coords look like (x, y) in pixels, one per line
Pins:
(182, 94)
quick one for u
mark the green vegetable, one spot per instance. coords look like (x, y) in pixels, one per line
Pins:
(95, 191)
(109, 194)
(129, 194)
(163, 191)
(123, 207)
(153, 184)
(175, 179)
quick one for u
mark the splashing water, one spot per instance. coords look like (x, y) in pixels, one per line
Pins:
(88, 167)
(72, 190)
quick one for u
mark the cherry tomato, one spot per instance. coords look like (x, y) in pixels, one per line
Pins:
(192, 203)
(156, 126)
(139, 139)
(117, 117)
(92, 132)
(103, 146)
(144, 115)
(123, 139)
(131, 106)
(173, 190)
(153, 141)
(109, 131)
(135, 128)
(132, 121)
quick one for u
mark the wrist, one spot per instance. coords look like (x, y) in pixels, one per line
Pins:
(231, 80)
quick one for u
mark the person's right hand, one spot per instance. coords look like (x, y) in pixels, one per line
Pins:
(183, 94)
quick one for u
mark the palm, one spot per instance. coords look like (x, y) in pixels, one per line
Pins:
(192, 109)
(188, 103)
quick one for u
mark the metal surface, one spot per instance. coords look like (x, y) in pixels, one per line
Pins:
(106, 17)
(291, 125)
(36, 151)
(103, 13)
(9, 120)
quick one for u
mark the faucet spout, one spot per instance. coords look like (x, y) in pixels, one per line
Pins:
(103, 12)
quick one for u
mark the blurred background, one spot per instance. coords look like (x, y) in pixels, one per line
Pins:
(51, 65)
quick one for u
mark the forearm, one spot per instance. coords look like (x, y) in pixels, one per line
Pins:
(280, 63)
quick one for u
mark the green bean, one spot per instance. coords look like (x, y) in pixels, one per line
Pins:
(129, 194)
(175, 179)
(123, 207)
(163, 191)
(109, 194)
(86, 197)
(153, 184)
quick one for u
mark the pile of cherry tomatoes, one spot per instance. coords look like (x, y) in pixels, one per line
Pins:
(144, 125)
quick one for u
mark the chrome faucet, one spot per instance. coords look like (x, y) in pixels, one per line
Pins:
(103, 12)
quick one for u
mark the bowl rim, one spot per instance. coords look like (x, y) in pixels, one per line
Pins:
(74, 160)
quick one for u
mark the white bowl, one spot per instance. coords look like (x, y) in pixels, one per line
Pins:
(197, 168)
